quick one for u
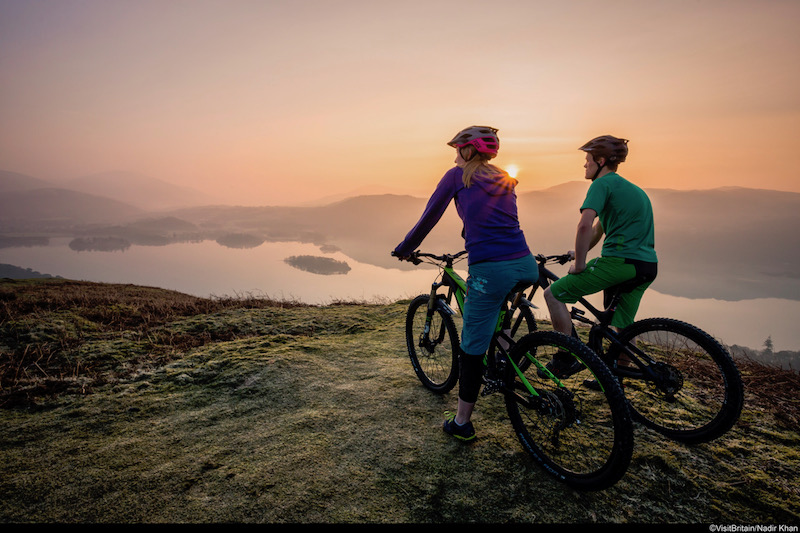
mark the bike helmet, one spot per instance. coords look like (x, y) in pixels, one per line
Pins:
(613, 149)
(483, 138)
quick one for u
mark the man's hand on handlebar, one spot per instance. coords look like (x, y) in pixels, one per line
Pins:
(560, 259)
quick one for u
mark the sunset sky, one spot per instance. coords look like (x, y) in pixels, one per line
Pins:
(289, 101)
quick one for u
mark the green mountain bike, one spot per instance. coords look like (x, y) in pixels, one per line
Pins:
(677, 378)
(581, 436)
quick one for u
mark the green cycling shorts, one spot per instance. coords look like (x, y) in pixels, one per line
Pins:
(600, 274)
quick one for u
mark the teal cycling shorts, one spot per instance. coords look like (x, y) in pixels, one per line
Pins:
(600, 274)
(488, 283)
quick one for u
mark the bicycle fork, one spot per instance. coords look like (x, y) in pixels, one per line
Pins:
(436, 302)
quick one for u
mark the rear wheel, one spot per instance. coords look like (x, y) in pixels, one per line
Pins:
(581, 436)
(433, 346)
(696, 394)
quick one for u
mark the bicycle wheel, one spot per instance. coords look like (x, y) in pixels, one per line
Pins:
(516, 326)
(581, 436)
(697, 395)
(432, 345)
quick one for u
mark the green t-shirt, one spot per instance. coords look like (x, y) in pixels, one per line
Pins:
(626, 215)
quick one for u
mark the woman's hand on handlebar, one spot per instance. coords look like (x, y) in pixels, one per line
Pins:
(412, 257)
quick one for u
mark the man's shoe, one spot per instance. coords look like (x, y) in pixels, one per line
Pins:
(562, 366)
(594, 385)
(591, 384)
(465, 433)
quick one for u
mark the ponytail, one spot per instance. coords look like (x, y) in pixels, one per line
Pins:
(480, 166)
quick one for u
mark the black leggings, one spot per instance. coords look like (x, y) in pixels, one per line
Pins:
(469, 379)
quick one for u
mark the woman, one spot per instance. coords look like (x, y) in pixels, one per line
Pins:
(499, 256)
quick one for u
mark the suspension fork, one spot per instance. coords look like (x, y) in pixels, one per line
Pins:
(432, 304)
(438, 302)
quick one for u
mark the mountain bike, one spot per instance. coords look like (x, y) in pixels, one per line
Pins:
(678, 380)
(580, 436)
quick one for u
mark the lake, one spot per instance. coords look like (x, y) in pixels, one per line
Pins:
(210, 269)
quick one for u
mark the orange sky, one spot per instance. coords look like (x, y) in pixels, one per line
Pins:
(282, 102)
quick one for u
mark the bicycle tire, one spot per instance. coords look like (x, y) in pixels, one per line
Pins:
(702, 396)
(581, 436)
(516, 326)
(434, 357)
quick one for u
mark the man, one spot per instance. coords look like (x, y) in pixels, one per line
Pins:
(622, 211)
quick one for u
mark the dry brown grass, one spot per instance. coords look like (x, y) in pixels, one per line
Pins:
(175, 409)
(44, 322)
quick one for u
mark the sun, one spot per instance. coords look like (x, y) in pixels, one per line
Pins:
(512, 170)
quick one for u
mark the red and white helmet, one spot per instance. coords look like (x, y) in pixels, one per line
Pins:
(483, 138)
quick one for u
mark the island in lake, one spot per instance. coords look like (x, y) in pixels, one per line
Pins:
(318, 265)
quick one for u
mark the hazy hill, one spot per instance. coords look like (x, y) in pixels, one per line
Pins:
(60, 208)
(128, 404)
(141, 191)
(14, 181)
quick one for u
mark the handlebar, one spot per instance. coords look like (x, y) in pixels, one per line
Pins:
(560, 259)
(414, 257)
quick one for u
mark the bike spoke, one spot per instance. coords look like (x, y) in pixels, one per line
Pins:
(695, 392)
(574, 430)
(432, 346)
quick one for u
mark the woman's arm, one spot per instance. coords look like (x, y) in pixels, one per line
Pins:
(437, 205)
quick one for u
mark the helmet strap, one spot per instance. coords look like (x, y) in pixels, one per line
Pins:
(599, 168)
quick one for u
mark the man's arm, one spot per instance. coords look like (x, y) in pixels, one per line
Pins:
(587, 236)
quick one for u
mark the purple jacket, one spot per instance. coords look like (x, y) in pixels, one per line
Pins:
(488, 208)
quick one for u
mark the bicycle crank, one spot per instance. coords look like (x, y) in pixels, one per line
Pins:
(559, 405)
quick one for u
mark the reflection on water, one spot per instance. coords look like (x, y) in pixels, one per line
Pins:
(207, 268)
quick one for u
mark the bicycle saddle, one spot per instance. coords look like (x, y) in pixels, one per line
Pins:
(520, 286)
(645, 273)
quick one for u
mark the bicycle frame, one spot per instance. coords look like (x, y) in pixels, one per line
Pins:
(601, 329)
(457, 287)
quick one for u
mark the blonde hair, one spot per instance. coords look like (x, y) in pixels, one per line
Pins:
(479, 165)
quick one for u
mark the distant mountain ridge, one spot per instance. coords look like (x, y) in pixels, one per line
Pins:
(139, 191)
(62, 206)
(14, 181)
(144, 192)
(728, 243)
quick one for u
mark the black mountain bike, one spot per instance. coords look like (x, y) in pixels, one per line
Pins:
(678, 380)
(580, 436)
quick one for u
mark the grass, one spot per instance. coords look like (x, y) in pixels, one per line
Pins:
(137, 405)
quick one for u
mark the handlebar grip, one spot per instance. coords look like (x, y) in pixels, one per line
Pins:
(412, 258)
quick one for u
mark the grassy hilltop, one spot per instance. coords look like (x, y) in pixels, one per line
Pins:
(121, 403)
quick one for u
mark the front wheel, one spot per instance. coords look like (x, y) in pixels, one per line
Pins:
(695, 393)
(432, 340)
(582, 436)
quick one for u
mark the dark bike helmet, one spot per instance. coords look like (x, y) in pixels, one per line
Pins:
(483, 138)
(613, 149)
